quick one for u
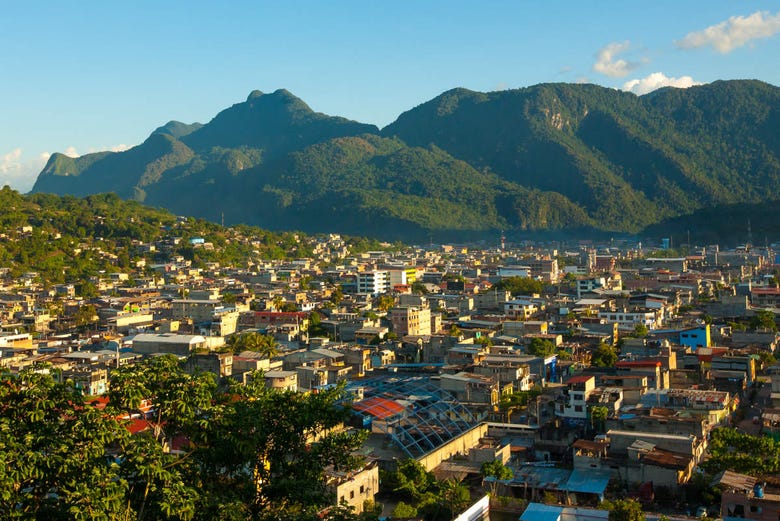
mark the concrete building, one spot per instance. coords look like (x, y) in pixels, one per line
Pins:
(470, 388)
(411, 321)
(373, 283)
(354, 488)
(150, 343)
(573, 404)
(281, 380)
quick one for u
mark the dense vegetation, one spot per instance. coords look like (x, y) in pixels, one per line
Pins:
(548, 157)
(242, 452)
(69, 239)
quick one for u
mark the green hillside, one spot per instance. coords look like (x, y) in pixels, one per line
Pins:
(547, 157)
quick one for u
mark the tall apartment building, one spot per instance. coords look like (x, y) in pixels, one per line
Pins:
(411, 320)
(373, 282)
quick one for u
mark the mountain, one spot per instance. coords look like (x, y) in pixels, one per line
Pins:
(547, 157)
(628, 161)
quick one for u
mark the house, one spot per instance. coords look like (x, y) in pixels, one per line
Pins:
(411, 320)
(281, 380)
(220, 364)
(573, 403)
(354, 488)
(470, 388)
(151, 343)
(508, 369)
(747, 498)
(520, 309)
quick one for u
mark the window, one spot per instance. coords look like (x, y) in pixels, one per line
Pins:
(362, 489)
(351, 494)
(578, 408)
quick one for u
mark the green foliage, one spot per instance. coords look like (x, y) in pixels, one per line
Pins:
(496, 469)
(598, 417)
(74, 239)
(249, 452)
(763, 319)
(640, 331)
(739, 452)
(402, 510)
(540, 347)
(604, 356)
(623, 510)
(419, 489)
(519, 285)
(547, 157)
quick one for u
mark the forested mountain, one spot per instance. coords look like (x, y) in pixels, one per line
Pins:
(547, 157)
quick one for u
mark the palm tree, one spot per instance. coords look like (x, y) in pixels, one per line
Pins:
(254, 341)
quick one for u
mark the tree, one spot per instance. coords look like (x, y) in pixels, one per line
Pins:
(540, 347)
(86, 315)
(520, 285)
(453, 496)
(245, 452)
(51, 440)
(623, 510)
(640, 331)
(498, 471)
(603, 356)
(598, 417)
(402, 510)
(763, 319)
(254, 341)
(419, 288)
(517, 400)
(87, 290)
(740, 452)
(385, 302)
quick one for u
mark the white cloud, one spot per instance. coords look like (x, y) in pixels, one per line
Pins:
(114, 148)
(608, 63)
(657, 80)
(11, 161)
(733, 33)
(20, 173)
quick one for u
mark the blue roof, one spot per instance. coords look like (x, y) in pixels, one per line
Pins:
(590, 482)
(541, 512)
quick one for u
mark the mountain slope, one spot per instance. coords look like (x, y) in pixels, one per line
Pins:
(551, 156)
(628, 160)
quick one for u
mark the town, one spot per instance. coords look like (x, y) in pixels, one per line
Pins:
(542, 377)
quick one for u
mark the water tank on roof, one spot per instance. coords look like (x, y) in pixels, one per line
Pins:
(758, 490)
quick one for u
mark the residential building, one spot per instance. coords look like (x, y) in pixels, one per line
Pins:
(411, 320)
(375, 282)
(573, 403)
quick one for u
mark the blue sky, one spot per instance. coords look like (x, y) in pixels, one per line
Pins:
(78, 77)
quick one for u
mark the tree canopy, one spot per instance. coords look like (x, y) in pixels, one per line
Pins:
(604, 356)
(203, 452)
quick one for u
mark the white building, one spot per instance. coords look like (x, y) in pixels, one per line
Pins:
(373, 283)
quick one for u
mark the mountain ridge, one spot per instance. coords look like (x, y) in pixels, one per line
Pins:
(546, 157)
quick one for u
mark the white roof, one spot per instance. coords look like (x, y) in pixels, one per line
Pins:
(168, 338)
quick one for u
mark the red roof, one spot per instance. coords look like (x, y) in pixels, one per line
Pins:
(379, 407)
(578, 379)
(138, 425)
(638, 363)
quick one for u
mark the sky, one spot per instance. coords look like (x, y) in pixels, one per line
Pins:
(80, 77)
